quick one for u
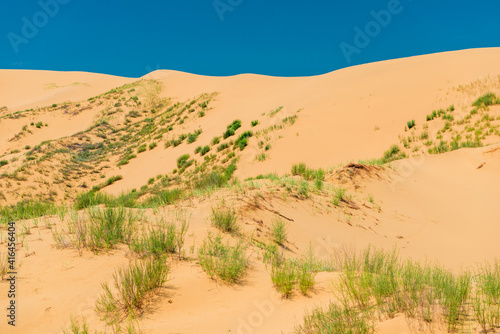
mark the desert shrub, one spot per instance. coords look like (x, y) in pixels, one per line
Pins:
(279, 231)
(132, 290)
(222, 260)
(410, 124)
(183, 162)
(27, 210)
(107, 228)
(192, 137)
(3, 163)
(231, 129)
(336, 319)
(242, 140)
(308, 173)
(162, 198)
(284, 277)
(338, 195)
(394, 153)
(205, 150)
(152, 145)
(156, 242)
(141, 148)
(486, 100)
(225, 219)
(254, 123)
(108, 182)
(242, 144)
(215, 140)
(91, 198)
(222, 146)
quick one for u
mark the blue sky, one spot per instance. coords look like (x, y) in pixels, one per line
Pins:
(226, 37)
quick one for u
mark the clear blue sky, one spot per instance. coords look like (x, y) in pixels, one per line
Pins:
(285, 38)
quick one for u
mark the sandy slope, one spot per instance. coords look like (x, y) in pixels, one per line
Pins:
(340, 109)
(24, 89)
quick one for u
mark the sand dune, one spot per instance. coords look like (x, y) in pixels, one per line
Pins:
(25, 89)
(440, 208)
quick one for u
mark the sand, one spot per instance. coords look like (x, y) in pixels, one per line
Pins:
(438, 208)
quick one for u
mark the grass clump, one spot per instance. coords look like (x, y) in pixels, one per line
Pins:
(108, 182)
(254, 123)
(184, 162)
(410, 124)
(394, 153)
(336, 319)
(279, 231)
(142, 148)
(222, 147)
(167, 239)
(242, 140)
(284, 277)
(339, 195)
(231, 129)
(27, 210)
(107, 228)
(222, 260)
(308, 173)
(133, 289)
(204, 150)
(225, 219)
(486, 100)
(164, 197)
(3, 163)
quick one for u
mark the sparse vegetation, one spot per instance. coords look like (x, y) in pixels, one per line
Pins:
(410, 124)
(132, 290)
(225, 219)
(231, 129)
(222, 260)
(279, 230)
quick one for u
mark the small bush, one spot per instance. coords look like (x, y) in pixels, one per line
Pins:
(284, 277)
(336, 320)
(222, 147)
(133, 288)
(242, 144)
(152, 145)
(3, 163)
(394, 153)
(157, 242)
(222, 260)
(339, 196)
(107, 228)
(225, 219)
(410, 124)
(279, 232)
(182, 161)
(141, 148)
(231, 129)
(192, 137)
(242, 140)
(486, 100)
(254, 123)
(205, 150)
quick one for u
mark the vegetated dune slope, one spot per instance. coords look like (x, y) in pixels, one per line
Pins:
(341, 109)
(436, 207)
